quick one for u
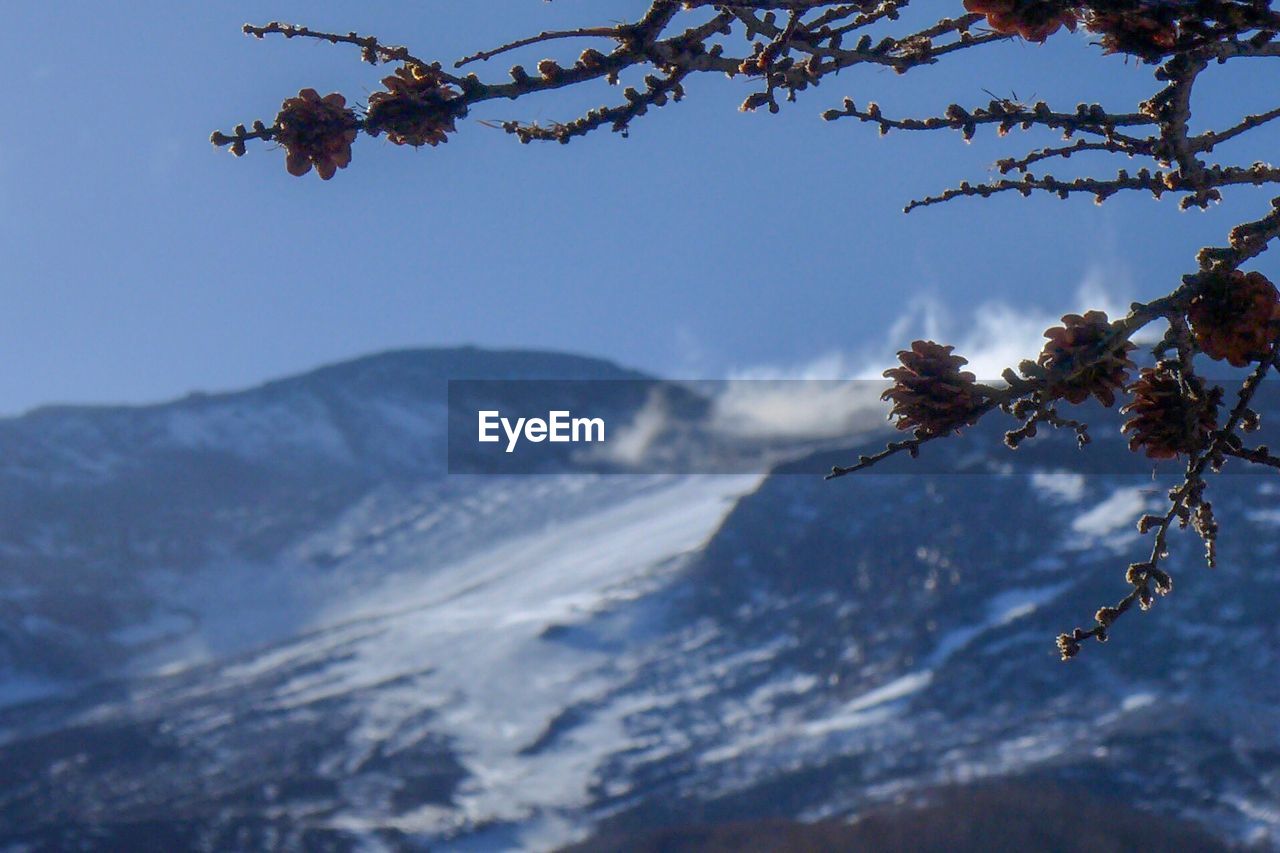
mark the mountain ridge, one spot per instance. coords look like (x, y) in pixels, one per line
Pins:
(497, 367)
(344, 656)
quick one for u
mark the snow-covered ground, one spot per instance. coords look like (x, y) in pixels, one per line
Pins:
(479, 625)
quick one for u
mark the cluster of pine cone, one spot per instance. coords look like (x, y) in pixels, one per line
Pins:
(1235, 317)
(930, 393)
(1149, 31)
(1171, 413)
(1083, 360)
(1034, 20)
(417, 108)
(316, 131)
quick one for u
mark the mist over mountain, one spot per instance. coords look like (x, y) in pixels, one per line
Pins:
(271, 619)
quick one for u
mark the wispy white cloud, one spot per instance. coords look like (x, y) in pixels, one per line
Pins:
(788, 409)
(631, 444)
(992, 336)
(814, 401)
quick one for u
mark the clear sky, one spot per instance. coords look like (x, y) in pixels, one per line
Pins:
(140, 263)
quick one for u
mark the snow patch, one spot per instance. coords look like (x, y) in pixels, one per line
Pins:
(1061, 486)
(1135, 701)
(479, 636)
(1112, 516)
(1014, 604)
(1269, 517)
(897, 689)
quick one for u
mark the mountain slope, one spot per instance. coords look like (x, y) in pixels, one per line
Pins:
(503, 662)
(106, 512)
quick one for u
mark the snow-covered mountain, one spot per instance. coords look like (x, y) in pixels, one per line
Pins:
(269, 619)
(120, 526)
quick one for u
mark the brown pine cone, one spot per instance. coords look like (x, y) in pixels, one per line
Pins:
(417, 109)
(1169, 416)
(1236, 317)
(1149, 34)
(1034, 20)
(930, 393)
(1080, 363)
(316, 131)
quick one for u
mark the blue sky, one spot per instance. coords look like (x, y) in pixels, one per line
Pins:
(140, 263)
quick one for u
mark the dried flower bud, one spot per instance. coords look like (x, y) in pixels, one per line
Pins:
(1106, 615)
(591, 59)
(549, 69)
(1137, 573)
(1149, 522)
